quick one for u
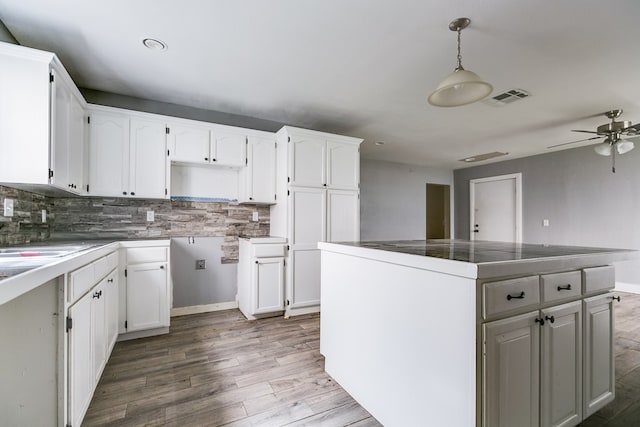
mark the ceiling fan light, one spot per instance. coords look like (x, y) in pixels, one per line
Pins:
(624, 147)
(604, 148)
(461, 87)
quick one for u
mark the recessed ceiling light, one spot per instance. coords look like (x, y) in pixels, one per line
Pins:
(379, 143)
(154, 44)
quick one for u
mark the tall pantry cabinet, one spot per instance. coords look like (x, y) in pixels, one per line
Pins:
(318, 195)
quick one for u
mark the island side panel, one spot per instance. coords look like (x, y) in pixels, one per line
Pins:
(400, 340)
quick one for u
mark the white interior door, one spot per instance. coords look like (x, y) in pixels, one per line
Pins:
(496, 208)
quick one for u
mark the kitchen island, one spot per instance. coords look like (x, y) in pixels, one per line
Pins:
(463, 333)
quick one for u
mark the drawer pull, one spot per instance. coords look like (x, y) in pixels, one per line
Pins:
(550, 318)
(564, 288)
(541, 321)
(616, 298)
(521, 296)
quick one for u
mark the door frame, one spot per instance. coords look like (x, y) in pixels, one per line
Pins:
(518, 200)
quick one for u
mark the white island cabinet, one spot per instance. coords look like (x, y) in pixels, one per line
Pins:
(484, 333)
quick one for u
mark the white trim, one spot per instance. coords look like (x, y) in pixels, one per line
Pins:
(632, 288)
(206, 308)
(518, 182)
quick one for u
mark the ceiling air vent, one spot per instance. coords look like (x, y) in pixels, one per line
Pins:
(507, 97)
(485, 156)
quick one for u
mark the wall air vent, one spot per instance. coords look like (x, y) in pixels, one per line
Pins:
(485, 156)
(504, 98)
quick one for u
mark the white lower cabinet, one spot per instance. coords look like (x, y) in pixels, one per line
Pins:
(599, 357)
(90, 326)
(147, 288)
(261, 277)
(147, 296)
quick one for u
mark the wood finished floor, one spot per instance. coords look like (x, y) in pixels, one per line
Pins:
(219, 369)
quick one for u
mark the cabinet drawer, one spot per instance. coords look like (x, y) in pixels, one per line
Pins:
(262, 251)
(561, 285)
(508, 295)
(145, 255)
(81, 281)
(598, 278)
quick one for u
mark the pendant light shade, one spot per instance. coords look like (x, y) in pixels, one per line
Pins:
(624, 147)
(461, 87)
(604, 148)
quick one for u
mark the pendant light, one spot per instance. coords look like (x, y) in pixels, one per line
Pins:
(461, 87)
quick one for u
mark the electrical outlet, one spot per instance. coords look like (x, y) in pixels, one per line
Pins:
(8, 207)
(150, 216)
(545, 222)
(254, 218)
(200, 264)
(44, 216)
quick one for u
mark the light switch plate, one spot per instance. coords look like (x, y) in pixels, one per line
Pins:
(8, 207)
(254, 218)
(545, 222)
(150, 216)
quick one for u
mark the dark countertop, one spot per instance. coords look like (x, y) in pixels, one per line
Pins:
(480, 252)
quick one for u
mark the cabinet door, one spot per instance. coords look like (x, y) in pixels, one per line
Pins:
(260, 179)
(561, 366)
(307, 161)
(304, 278)
(343, 216)
(98, 329)
(307, 217)
(189, 144)
(511, 361)
(147, 296)
(599, 366)
(60, 112)
(343, 165)
(80, 375)
(108, 154)
(269, 285)
(76, 154)
(111, 305)
(229, 149)
(148, 160)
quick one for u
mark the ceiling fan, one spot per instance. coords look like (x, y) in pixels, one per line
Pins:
(613, 134)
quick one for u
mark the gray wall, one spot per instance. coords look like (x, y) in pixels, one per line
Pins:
(393, 199)
(175, 110)
(575, 190)
(5, 35)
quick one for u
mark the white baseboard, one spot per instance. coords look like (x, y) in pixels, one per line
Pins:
(633, 288)
(206, 308)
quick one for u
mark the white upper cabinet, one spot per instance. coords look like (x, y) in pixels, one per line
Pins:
(189, 144)
(343, 165)
(258, 179)
(147, 159)
(317, 159)
(229, 149)
(41, 122)
(127, 156)
(307, 161)
(108, 154)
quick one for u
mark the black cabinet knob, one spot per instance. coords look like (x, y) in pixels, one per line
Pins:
(206, 158)
(250, 198)
(162, 267)
(551, 319)
(133, 194)
(541, 321)
(110, 280)
(616, 298)
(124, 192)
(214, 160)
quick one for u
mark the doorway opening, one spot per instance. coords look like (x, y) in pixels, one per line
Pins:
(438, 211)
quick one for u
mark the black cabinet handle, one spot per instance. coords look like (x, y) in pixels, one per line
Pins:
(564, 288)
(162, 267)
(550, 318)
(206, 159)
(124, 192)
(250, 198)
(257, 262)
(616, 298)
(324, 185)
(96, 295)
(110, 280)
(133, 194)
(214, 160)
(541, 321)
(521, 296)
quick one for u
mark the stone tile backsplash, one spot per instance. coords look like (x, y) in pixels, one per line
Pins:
(120, 218)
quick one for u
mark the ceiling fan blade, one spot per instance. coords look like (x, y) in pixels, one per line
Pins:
(631, 130)
(574, 142)
(585, 131)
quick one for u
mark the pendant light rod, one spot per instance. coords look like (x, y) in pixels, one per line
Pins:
(458, 25)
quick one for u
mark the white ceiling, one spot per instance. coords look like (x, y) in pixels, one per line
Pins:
(359, 67)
